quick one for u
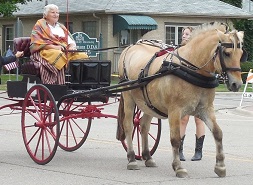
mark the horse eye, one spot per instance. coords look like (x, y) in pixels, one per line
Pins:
(226, 54)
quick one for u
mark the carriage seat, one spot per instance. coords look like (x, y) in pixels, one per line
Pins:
(27, 65)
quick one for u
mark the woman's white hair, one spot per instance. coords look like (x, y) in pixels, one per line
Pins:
(49, 7)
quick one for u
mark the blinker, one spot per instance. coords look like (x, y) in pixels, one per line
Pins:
(244, 56)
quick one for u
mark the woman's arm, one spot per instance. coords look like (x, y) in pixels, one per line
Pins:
(71, 43)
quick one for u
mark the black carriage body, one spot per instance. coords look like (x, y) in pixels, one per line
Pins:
(88, 74)
(80, 75)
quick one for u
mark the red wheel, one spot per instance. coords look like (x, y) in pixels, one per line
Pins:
(74, 128)
(40, 124)
(154, 134)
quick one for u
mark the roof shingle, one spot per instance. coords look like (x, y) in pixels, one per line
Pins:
(212, 8)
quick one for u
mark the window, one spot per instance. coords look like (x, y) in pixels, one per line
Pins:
(173, 33)
(69, 26)
(135, 35)
(124, 37)
(8, 37)
(128, 37)
(90, 28)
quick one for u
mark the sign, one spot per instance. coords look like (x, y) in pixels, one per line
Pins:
(248, 80)
(84, 42)
(247, 95)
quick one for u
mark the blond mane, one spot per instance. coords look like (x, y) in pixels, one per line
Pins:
(207, 27)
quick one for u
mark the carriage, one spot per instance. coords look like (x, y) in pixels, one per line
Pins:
(149, 88)
(46, 124)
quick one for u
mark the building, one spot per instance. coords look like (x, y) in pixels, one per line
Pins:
(118, 22)
(247, 5)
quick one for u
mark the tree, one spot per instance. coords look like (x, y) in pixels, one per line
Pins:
(244, 25)
(7, 7)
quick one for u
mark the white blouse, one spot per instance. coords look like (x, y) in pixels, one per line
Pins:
(57, 30)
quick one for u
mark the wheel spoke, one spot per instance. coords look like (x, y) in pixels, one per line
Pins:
(33, 136)
(73, 130)
(154, 134)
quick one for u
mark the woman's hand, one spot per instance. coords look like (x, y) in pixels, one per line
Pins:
(72, 47)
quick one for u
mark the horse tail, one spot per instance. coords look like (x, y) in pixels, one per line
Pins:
(120, 134)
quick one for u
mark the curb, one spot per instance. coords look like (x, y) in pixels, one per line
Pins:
(229, 93)
(243, 110)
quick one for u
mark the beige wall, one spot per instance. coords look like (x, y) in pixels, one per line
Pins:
(159, 33)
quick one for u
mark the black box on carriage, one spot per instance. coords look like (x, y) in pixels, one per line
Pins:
(88, 74)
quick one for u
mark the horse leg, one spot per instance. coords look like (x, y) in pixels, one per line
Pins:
(128, 107)
(145, 126)
(211, 123)
(175, 139)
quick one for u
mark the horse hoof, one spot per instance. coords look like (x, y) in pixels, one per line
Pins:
(133, 166)
(220, 171)
(181, 173)
(150, 163)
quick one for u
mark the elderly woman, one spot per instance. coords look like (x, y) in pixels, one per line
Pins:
(49, 41)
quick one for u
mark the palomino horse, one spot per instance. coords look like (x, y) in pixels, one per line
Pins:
(188, 88)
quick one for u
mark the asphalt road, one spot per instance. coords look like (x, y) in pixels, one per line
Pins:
(102, 159)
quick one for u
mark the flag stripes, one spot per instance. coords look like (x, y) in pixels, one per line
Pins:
(11, 66)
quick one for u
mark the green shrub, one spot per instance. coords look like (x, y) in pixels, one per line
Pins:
(246, 66)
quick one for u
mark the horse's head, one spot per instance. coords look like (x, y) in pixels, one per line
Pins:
(212, 48)
(230, 54)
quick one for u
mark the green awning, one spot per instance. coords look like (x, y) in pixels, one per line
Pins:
(133, 22)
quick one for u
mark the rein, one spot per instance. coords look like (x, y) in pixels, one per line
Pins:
(99, 49)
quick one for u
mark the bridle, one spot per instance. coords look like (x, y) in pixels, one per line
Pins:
(221, 56)
(218, 53)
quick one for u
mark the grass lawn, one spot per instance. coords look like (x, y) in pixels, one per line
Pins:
(5, 78)
(114, 80)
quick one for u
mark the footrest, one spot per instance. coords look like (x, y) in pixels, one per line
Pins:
(18, 89)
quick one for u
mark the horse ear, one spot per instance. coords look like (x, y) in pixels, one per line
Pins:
(220, 33)
(223, 28)
(240, 34)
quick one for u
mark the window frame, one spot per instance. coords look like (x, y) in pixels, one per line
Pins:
(69, 26)
(178, 31)
(91, 32)
(7, 41)
(133, 35)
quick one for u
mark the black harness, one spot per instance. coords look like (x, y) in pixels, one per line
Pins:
(186, 72)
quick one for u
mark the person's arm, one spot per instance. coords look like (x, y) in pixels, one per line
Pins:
(71, 44)
(10, 59)
(7, 60)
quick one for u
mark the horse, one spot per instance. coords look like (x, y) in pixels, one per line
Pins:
(176, 83)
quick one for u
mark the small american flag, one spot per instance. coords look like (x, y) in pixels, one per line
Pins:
(12, 65)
